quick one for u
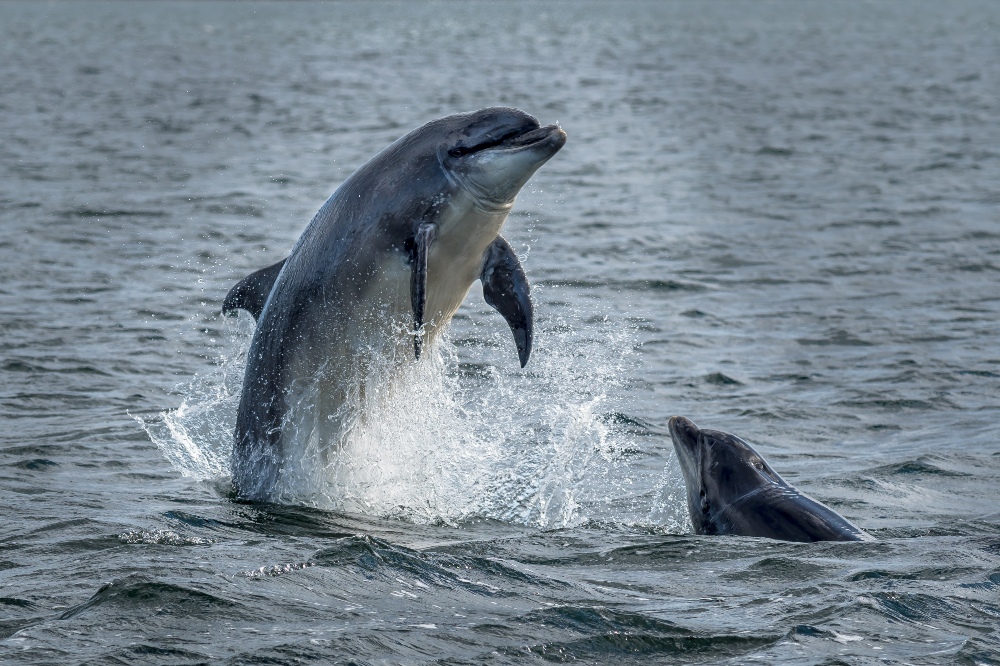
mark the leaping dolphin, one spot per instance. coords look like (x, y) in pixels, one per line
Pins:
(732, 490)
(373, 280)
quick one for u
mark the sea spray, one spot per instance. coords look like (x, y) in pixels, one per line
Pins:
(197, 437)
(440, 443)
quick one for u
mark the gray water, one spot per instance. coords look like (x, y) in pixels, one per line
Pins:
(779, 219)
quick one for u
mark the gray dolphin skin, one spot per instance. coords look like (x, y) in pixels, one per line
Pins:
(373, 280)
(732, 490)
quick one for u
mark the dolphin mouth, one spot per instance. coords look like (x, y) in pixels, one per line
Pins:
(684, 432)
(522, 138)
(552, 134)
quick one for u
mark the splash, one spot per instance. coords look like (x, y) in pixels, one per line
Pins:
(449, 438)
(196, 438)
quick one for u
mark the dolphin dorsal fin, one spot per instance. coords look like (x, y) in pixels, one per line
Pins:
(505, 288)
(251, 292)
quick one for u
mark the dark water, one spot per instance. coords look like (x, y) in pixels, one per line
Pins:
(780, 219)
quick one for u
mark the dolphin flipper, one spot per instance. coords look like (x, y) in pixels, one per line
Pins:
(251, 292)
(418, 281)
(505, 288)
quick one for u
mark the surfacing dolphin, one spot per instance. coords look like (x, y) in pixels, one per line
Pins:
(732, 490)
(373, 280)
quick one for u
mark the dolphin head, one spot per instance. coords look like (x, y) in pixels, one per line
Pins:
(493, 152)
(719, 468)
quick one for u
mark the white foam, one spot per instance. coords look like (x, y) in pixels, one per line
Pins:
(439, 445)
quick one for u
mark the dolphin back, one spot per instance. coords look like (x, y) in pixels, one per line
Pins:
(785, 514)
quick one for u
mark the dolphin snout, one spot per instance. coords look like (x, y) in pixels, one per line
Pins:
(683, 431)
(550, 137)
(557, 136)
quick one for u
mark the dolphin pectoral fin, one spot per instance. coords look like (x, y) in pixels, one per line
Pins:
(251, 292)
(505, 288)
(418, 281)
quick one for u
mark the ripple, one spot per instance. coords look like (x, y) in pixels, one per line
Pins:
(275, 570)
(492, 577)
(135, 593)
(780, 569)
(110, 212)
(910, 607)
(720, 379)
(835, 338)
(35, 464)
(162, 538)
(607, 632)
(919, 467)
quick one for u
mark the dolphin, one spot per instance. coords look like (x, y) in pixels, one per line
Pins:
(373, 280)
(732, 490)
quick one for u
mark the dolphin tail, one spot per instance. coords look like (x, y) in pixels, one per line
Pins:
(251, 292)
(418, 281)
(505, 288)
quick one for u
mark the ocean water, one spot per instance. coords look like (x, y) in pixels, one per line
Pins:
(778, 219)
